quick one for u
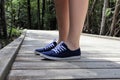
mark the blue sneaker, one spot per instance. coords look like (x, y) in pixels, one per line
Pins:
(46, 48)
(61, 52)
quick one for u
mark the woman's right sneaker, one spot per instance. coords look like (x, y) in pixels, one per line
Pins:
(62, 52)
(46, 48)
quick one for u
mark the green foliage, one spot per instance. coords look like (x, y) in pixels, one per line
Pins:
(17, 15)
(95, 17)
(108, 12)
(50, 16)
(15, 32)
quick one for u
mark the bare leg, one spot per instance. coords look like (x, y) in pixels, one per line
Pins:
(78, 10)
(62, 13)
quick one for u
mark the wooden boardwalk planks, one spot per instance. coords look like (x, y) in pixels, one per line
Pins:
(8, 54)
(64, 65)
(100, 59)
(65, 74)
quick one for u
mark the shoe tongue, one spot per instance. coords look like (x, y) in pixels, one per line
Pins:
(55, 43)
(63, 44)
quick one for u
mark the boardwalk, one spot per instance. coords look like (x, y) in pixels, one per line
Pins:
(100, 60)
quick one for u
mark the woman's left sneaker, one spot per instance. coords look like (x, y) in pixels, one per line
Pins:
(62, 52)
(46, 48)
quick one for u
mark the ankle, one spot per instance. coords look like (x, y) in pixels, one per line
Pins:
(72, 46)
(59, 40)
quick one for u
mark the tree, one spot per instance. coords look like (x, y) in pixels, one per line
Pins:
(3, 19)
(114, 21)
(43, 13)
(0, 19)
(89, 15)
(102, 29)
(11, 20)
(29, 13)
(50, 17)
(38, 12)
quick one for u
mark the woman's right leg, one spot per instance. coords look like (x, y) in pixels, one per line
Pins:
(78, 10)
(62, 14)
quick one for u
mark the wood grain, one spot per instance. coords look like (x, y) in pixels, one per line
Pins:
(8, 54)
(100, 59)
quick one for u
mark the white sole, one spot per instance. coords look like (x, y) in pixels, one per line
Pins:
(56, 58)
(37, 53)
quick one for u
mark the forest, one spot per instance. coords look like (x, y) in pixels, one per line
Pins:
(103, 17)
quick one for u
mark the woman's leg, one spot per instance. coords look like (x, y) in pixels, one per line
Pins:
(62, 14)
(70, 49)
(78, 10)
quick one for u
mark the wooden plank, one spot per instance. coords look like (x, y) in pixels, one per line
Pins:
(86, 51)
(89, 49)
(8, 54)
(65, 74)
(83, 55)
(35, 42)
(100, 36)
(64, 65)
(45, 42)
(30, 49)
(82, 59)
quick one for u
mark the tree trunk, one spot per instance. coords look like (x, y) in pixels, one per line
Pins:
(43, 13)
(0, 45)
(3, 19)
(102, 30)
(116, 13)
(0, 19)
(86, 27)
(29, 13)
(11, 20)
(93, 6)
(38, 12)
(89, 14)
(18, 24)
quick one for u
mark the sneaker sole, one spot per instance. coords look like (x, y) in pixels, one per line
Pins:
(37, 53)
(55, 58)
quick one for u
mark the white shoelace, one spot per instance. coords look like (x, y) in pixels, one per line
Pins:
(59, 48)
(49, 45)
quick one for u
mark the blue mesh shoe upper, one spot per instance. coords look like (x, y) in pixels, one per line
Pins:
(61, 51)
(47, 48)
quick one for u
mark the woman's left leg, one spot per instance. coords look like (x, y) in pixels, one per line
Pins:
(78, 10)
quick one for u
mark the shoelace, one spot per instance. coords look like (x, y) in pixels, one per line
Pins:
(59, 48)
(49, 46)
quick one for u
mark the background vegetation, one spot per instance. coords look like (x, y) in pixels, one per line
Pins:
(103, 17)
